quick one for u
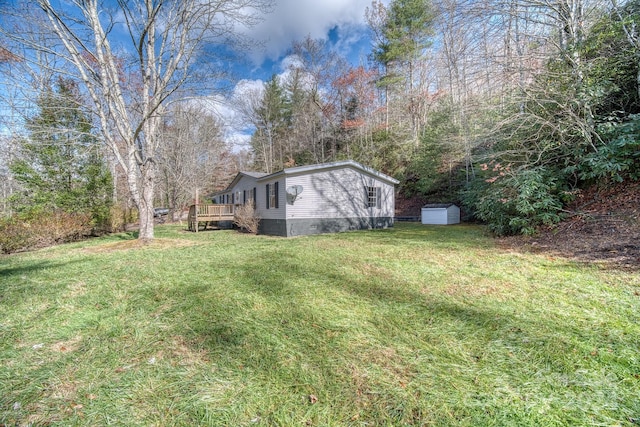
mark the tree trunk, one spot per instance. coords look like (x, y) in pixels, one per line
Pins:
(145, 205)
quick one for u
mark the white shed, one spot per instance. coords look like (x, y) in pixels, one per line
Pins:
(441, 213)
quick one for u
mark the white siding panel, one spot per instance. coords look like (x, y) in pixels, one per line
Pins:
(271, 213)
(441, 216)
(338, 193)
(453, 215)
(436, 216)
(245, 183)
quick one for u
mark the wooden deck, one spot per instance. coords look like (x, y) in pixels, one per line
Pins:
(207, 214)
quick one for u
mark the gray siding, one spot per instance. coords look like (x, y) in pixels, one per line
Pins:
(245, 183)
(272, 212)
(338, 193)
(333, 198)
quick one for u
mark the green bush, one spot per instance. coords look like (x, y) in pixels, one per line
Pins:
(516, 202)
(619, 157)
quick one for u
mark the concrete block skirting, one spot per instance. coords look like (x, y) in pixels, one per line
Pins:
(300, 227)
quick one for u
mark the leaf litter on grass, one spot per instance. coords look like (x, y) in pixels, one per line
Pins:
(405, 327)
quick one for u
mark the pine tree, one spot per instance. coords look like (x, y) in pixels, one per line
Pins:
(60, 166)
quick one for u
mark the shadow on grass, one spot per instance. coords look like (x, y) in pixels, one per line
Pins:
(280, 279)
(27, 268)
(126, 235)
(276, 316)
(461, 236)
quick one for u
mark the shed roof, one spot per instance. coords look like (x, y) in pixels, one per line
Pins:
(438, 205)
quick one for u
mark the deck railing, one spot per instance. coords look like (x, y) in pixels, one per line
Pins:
(208, 213)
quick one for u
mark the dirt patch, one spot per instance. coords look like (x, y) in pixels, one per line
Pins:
(126, 245)
(603, 227)
(411, 207)
(66, 346)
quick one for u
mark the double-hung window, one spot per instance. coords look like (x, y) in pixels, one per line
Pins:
(272, 196)
(373, 197)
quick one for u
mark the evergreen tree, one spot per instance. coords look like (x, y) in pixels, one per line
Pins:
(402, 33)
(60, 166)
(271, 120)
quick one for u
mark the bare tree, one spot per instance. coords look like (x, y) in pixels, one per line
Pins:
(250, 107)
(313, 95)
(191, 149)
(133, 60)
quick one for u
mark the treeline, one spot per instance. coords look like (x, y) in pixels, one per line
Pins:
(508, 107)
(61, 184)
(64, 182)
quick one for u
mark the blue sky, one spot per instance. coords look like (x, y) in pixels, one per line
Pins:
(341, 22)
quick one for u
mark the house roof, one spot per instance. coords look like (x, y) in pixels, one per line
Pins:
(260, 176)
(251, 174)
(334, 165)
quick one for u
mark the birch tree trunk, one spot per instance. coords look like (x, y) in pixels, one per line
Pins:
(129, 97)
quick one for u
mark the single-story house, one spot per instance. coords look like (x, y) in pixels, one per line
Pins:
(313, 199)
(441, 213)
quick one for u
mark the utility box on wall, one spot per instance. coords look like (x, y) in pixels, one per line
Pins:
(440, 214)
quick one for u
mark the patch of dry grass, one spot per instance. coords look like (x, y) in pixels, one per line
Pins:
(409, 326)
(135, 244)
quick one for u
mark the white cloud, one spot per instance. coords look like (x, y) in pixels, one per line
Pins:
(296, 19)
(292, 20)
(237, 140)
(291, 61)
(245, 87)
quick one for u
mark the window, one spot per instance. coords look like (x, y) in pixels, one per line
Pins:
(374, 196)
(272, 196)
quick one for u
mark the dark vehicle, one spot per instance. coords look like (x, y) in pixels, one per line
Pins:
(158, 212)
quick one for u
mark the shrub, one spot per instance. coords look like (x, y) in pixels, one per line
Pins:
(120, 216)
(517, 202)
(245, 218)
(15, 235)
(24, 232)
(619, 157)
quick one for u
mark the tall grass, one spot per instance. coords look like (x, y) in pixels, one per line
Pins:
(409, 326)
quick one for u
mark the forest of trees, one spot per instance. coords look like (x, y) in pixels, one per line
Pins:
(506, 106)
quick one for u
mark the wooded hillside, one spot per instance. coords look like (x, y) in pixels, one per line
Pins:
(507, 107)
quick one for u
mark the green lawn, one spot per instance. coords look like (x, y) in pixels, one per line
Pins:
(414, 325)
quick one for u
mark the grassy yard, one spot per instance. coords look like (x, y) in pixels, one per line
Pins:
(410, 326)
